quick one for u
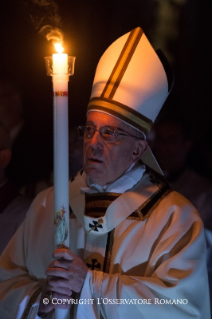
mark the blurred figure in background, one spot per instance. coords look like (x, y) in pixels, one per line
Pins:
(13, 206)
(75, 164)
(31, 159)
(172, 142)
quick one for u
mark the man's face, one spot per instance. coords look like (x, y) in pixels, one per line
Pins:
(105, 162)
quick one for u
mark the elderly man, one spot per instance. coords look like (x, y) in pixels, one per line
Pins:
(137, 249)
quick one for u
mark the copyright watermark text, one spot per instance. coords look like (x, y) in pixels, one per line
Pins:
(108, 301)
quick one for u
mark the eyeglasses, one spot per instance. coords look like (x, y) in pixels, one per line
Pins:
(109, 134)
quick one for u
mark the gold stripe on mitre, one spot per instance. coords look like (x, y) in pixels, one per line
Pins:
(122, 63)
(121, 111)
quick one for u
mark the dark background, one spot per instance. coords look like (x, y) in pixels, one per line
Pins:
(90, 26)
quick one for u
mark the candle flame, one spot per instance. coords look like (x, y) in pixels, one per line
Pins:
(58, 47)
(55, 35)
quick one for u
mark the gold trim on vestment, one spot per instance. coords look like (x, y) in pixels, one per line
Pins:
(108, 251)
(157, 203)
(164, 191)
(122, 63)
(97, 203)
(121, 111)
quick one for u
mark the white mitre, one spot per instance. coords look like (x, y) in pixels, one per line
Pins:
(131, 83)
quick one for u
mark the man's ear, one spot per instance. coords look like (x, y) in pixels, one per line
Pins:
(5, 157)
(140, 148)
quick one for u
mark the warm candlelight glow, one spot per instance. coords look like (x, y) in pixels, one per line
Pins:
(58, 47)
(60, 64)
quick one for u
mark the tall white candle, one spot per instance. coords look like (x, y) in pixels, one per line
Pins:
(60, 66)
(61, 175)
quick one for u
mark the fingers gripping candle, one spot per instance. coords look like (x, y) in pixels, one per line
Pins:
(60, 66)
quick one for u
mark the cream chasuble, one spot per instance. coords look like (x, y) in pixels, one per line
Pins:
(99, 226)
(149, 246)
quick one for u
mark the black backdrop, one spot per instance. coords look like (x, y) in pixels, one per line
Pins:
(89, 28)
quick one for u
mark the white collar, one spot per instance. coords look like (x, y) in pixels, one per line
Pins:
(129, 179)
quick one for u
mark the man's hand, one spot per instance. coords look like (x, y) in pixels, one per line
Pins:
(66, 274)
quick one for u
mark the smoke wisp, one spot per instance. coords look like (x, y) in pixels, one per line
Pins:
(44, 16)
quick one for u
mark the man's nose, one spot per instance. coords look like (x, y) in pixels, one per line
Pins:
(96, 144)
(96, 139)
